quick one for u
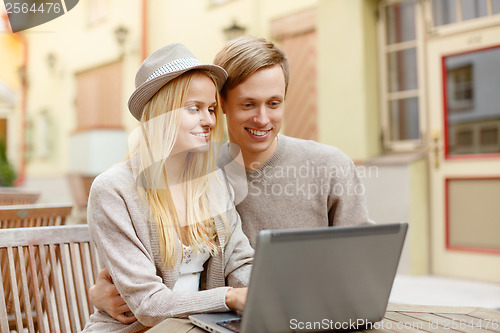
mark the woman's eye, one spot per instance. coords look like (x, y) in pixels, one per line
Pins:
(192, 109)
(211, 110)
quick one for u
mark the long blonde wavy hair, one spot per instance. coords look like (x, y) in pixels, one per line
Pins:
(160, 123)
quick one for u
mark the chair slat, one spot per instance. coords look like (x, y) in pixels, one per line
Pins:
(55, 267)
(21, 268)
(77, 278)
(54, 262)
(36, 291)
(94, 261)
(86, 273)
(70, 301)
(4, 319)
(45, 274)
(14, 289)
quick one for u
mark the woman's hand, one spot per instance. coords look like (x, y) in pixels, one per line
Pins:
(106, 297)
(236, 298)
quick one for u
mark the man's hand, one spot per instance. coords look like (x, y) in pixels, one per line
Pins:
(236, 298)
(106, 297)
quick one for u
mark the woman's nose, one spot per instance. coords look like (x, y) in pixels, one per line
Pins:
(207, 118)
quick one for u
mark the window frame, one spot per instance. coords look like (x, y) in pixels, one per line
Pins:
(385, 95)
(98, 11)
(463, 104)
(460, 25)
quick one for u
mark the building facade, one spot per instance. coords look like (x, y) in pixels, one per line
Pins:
(408, 89)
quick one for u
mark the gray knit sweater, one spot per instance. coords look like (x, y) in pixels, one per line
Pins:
(118, 218)
(304, 184)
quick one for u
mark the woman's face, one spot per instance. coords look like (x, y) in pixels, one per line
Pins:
(198, 116)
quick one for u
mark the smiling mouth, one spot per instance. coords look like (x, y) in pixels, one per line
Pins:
(257, 132)
(202, 135)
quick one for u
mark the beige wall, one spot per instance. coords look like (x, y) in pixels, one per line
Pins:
(418, 236)
(348, 88)
(348, 112)
(77, 47)
(11, 57)
(347, 75)
(200, 25)
(11, 60)
(347, 72)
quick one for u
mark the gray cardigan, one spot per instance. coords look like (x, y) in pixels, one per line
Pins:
(128, 245)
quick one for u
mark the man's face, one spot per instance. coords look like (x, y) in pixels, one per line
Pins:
(254, 111)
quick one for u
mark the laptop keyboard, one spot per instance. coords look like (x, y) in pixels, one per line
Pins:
(232, 325)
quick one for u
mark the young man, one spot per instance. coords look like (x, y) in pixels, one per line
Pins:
(291, 183)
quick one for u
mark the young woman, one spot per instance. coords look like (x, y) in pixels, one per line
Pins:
(163, 220)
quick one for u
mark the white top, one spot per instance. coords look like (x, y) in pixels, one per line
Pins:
(190, 269)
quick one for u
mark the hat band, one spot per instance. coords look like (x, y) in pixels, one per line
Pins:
(176, 65)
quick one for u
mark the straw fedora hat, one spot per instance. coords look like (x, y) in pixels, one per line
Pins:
(163, 66)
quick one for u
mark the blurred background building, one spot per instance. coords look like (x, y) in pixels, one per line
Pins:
(410, 90)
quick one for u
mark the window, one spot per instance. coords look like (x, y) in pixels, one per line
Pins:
(489, 136)
(446, 12)
(98, 103)
(460, 88)
(472, 99)
(98, 11)
(400, 45)
(465, 138)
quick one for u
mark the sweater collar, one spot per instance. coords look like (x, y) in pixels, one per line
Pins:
(274, 159)
(225, 158)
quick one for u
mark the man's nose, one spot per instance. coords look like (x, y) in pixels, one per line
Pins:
(261, 118)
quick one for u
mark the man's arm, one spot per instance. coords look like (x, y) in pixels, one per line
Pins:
(347, 202)
(106, 297)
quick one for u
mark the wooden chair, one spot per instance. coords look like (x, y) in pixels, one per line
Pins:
(49, 271)
(80, 189)
(16, 196)
(37, 215)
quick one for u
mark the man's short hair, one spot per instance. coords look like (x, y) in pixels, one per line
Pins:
(246, 55)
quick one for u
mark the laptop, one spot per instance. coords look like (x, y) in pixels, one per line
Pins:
(330, 278)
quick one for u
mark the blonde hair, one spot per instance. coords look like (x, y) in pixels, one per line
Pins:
(246, 55)
(160, 123)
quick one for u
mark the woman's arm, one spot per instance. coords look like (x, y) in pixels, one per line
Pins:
(104, 296)
(120, 229)
(238, 253)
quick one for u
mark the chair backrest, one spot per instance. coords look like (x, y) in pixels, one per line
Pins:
(36, 215)
(80, 188)
(14, 196)
(47, 270)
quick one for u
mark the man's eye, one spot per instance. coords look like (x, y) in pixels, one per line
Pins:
(274, 104)
(247, 105)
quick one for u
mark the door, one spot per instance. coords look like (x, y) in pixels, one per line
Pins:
(296, 35)
(463, 74)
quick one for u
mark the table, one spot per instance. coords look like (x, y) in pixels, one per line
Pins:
(427, 318)
(403, 318)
